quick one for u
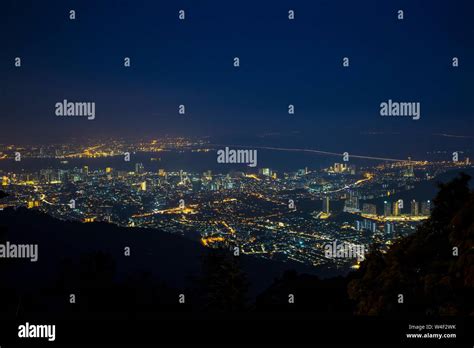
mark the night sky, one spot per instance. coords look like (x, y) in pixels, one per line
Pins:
(190, 62)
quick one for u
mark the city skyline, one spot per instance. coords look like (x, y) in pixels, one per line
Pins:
(356, 201)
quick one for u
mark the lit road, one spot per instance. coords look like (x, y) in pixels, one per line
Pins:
(351, 185)
(315, 151)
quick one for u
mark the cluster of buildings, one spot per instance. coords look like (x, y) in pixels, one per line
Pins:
(396, 208)
(278, 215)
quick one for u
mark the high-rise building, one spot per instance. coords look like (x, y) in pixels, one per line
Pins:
(228, 184)
(33, 204)
(139, 168)
(409, 171)
(326, 205)
(46, 175)
(366, 225)
(63, 175)
(355, 202)
(352, 203)
(426, 208)
(396, 209)
(389, 228)
(143, 186)
(368, 208)
(340, 167)
(358, 225)
(85, 170)
(415, 208)
(387, 207)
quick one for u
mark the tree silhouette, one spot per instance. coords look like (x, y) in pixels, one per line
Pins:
(323, 298)
(222, 286)
(433, 268)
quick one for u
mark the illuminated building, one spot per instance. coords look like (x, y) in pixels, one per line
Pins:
(63, 175)
(266, 171)
(387, 208)
(415, 208)
(352, 204)
(358, 225)
(108, 170)
(46, 175)
(326, 205)
(366, 225)
(396, 209)
(143, 186)
(139, 168)
(340, 167)
(426, 208)
(389, 228)
(409, 171)
(368, 208)
(33, 204)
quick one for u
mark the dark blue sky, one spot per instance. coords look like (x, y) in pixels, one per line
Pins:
(190, 62)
